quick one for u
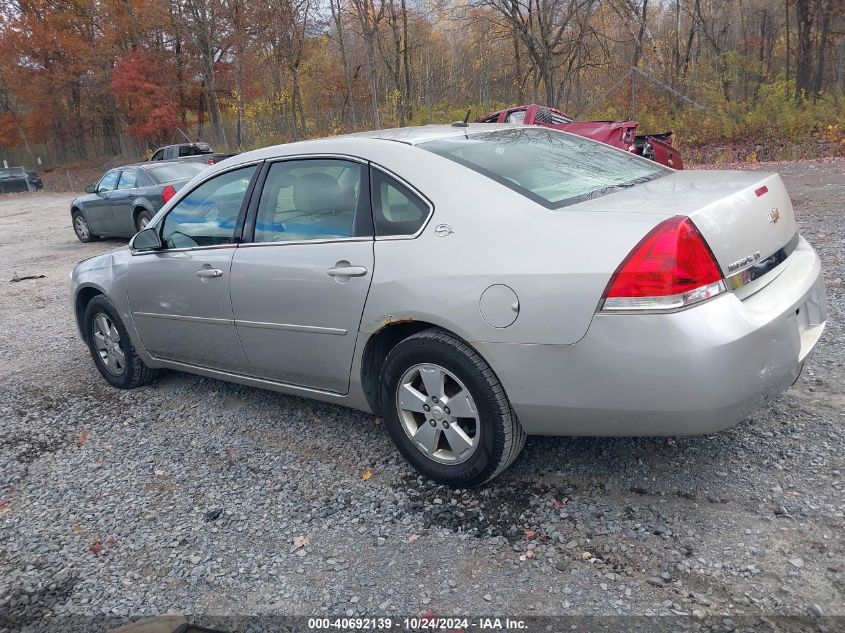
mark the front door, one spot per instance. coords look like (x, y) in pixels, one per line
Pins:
(121, 202)
(98, 210)
(299, 287)
(179, 295)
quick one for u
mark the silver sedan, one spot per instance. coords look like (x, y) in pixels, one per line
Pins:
(472, 285)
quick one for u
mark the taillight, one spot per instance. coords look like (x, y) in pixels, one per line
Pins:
(210, 161)
(672, 267)
(167, 193)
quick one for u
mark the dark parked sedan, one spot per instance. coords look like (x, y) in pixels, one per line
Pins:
(127, 198)
(19, 179)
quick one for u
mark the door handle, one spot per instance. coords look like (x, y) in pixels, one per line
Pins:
(209, 272)
(347, 271)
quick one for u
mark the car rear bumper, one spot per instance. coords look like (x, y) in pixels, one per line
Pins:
(685, 373)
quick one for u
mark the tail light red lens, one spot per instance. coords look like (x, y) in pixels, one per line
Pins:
(672, 267)
(167, 193)
(210, 161)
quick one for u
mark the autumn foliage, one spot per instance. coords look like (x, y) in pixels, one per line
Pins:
(85, 81)
(143, 84)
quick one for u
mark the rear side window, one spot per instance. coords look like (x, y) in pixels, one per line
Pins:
(207, 215)
(552, 168)
(396, 209)
(313, 199)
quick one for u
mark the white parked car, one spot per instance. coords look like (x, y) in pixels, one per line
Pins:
(470, 284)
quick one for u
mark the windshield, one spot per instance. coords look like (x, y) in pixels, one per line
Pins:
(549, 167)
(176, 171)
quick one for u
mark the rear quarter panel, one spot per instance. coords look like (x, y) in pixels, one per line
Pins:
(557, 262)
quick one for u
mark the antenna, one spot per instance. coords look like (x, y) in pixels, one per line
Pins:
(465, 122)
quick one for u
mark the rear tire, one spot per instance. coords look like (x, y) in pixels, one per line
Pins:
(143, 220)
(111, 348)
(463, 445)
(81, 228)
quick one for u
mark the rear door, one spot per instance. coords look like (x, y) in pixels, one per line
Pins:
(300, 283)
(179, 295)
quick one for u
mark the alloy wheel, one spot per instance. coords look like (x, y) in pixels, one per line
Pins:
(81, 227)
(107, 344)
(438, 414)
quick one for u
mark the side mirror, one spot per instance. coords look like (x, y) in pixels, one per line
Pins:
(146, 240)
(90, 189)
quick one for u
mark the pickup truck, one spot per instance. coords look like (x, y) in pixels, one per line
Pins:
(621, 134)
(196, 152)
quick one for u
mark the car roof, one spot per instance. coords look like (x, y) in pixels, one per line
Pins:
(423, 133)
(405, 135)
(148, 163)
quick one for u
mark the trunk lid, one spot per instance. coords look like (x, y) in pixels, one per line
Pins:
(743, 216)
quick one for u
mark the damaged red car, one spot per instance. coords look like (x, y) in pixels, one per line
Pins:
(621, 134)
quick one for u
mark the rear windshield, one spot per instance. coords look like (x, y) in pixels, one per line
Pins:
(195, 149)
(175, 171)
(547, 166)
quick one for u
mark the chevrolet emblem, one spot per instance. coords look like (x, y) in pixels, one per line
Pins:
(774, 215)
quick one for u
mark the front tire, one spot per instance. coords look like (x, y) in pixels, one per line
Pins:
(446, 410)
(81, 228)
(111, 348)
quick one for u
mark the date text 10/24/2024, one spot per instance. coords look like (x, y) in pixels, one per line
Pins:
(421, 623)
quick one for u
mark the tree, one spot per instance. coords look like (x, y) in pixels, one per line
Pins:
(547, 29)
(370, 14)
(142, 83)
(204, 22)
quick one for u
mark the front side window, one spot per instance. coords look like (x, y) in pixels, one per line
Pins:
(159, 155)
(314, 199)
(552, 168)
(396, 209)
(109, 181)
(128, 179)
(207, 215)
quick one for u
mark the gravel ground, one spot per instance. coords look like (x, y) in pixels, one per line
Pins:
(200, 497)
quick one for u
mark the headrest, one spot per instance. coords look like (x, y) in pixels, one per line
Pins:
(313, 193)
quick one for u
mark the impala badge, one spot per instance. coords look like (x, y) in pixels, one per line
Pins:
(748, 259)
(774, 215)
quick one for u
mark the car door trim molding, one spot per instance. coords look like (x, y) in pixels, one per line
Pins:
(329, 240)
(312, 329)
(182, 317)
(164, 251)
